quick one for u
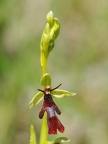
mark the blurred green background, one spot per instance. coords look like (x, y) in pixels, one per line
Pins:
(79, 61)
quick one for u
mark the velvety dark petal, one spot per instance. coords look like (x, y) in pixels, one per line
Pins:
(57, 110)
(41, 113)
(60, 127)
(54, 124)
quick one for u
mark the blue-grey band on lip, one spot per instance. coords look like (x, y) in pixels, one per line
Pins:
(50, 111)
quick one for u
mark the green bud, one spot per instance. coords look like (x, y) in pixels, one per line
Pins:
(56, 28)
(49, 35)
(45, 41)
(50, 18)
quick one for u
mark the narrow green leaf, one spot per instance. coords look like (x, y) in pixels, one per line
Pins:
(45, 80)
(48, 142)
(32, 135)
(44, 130)
(36, 99)
(61, 140)
(58, 93)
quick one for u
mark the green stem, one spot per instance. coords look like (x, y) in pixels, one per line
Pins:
(43, 61)
(44, 127)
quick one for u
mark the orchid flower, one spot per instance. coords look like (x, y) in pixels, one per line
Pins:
(49, 106)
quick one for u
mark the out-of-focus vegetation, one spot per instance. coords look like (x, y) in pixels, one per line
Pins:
(79, 61)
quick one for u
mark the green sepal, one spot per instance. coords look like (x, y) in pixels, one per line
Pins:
(61, 140)
(58, 93)
(45, 80)
(32, 135)
(36, 99)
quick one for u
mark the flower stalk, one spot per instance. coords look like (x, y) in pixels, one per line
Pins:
(50, 122)
(50, 33)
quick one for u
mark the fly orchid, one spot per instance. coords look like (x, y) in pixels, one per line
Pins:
(47, 93)
(49, 106)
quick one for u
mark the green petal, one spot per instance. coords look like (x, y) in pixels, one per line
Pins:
(61, 140)
(36, 99)
(58, 93)
(32, 135)
(45, 80)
